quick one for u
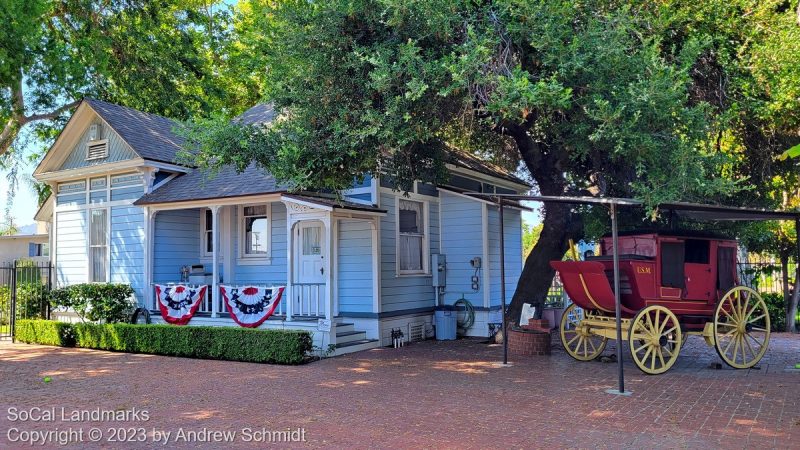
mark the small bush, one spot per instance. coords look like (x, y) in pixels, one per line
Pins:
(227, 343)
(777, 311)
(45, 332)
(97, 302)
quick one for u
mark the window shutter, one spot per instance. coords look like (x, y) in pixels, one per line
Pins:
(31, 249)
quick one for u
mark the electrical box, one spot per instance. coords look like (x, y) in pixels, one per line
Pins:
(439, 270)
(475, 262)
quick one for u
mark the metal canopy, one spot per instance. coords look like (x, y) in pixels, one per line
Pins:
(697, 211)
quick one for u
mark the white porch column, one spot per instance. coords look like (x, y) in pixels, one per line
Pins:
(149, 246)
(214, 258)
(289, 299)
(329, 225)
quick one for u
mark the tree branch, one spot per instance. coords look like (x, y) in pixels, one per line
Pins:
(51, 115)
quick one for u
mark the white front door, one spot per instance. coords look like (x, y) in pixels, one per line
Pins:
(309, 288)
(310, 253)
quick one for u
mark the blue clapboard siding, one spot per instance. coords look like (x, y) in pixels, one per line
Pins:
(404, 292)
(118, 150)
(513, 252)
(176, 243)
(354, 266)
(71, 259)
(127, 248)
(266, 273)
(462, 241)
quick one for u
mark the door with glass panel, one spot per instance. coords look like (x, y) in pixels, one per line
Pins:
(308, 291)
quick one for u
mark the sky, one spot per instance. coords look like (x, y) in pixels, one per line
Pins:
(25, 203)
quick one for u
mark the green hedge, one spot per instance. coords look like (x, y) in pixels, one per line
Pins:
(46, 332)
(227, 343)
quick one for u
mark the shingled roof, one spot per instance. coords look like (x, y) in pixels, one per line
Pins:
(149, 135)
(200, 184)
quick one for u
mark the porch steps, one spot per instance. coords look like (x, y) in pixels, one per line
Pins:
(349, 340)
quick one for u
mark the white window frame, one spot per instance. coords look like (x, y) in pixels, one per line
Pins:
(426, 238)
(89, 246)
(243, 257)
(204, 253)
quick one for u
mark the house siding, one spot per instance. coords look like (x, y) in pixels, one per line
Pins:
(118, 150)
(71, 262)
(127, 248)
(354, 266)
(176, 243)
(512, 223)
(274, 271)
(462, 241)
(404, 292)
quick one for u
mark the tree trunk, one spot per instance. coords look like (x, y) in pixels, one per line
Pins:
(560, 225)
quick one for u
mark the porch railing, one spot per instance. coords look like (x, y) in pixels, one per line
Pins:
(308, 300)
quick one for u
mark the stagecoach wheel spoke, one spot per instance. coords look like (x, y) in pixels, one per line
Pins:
(654, 339)
(736, 329)
(572, 323)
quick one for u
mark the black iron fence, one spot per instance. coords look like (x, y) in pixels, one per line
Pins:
(766, 276)
(24, 293)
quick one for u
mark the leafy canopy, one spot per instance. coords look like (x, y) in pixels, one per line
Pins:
(584, 94)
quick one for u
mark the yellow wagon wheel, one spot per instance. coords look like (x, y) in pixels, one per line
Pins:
(577, 337)
(654, 339)
(741, 327)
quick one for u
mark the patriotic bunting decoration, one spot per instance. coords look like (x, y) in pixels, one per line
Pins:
(179, 303)
(250, 306)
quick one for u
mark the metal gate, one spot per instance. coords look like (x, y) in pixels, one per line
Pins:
(24, 293)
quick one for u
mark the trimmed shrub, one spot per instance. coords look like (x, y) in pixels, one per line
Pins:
(777, 311)
(96, 302)
(45, 332)
(227, 343)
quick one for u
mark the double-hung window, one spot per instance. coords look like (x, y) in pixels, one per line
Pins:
(254, 231)
(208, 233)
(98, 245)
(411, 237)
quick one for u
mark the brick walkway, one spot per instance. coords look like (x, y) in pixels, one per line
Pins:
(429, 394)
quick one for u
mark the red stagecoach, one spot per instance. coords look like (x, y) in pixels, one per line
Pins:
(671, 285)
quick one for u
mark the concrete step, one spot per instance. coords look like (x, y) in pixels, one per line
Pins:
(344, 328)
(356, 346)
(349, 336)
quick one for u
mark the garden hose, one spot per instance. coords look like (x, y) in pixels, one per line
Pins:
(469, 314)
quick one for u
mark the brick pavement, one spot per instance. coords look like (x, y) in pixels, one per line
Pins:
(430, 394)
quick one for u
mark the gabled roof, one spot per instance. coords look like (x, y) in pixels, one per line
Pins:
(200, 184)
(151, 136)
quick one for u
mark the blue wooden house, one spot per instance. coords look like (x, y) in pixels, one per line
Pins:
(123, 210)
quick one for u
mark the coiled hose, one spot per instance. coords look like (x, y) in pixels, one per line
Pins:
(469, 315)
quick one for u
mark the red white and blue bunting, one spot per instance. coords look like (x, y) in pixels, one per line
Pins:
(250, 306)
(178, 303)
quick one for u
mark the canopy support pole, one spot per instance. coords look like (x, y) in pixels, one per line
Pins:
(503, 282)
(615, 244)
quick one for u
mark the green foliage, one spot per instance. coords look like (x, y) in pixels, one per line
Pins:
(97, 302)
(45, 332)
(165, 57)
(227, 343)
(776, 306)
(530, 235)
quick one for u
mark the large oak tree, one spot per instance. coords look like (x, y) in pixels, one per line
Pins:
(589, 97)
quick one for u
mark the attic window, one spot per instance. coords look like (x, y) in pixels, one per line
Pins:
(96, 149)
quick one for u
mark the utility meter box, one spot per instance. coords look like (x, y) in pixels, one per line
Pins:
(439, 270)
